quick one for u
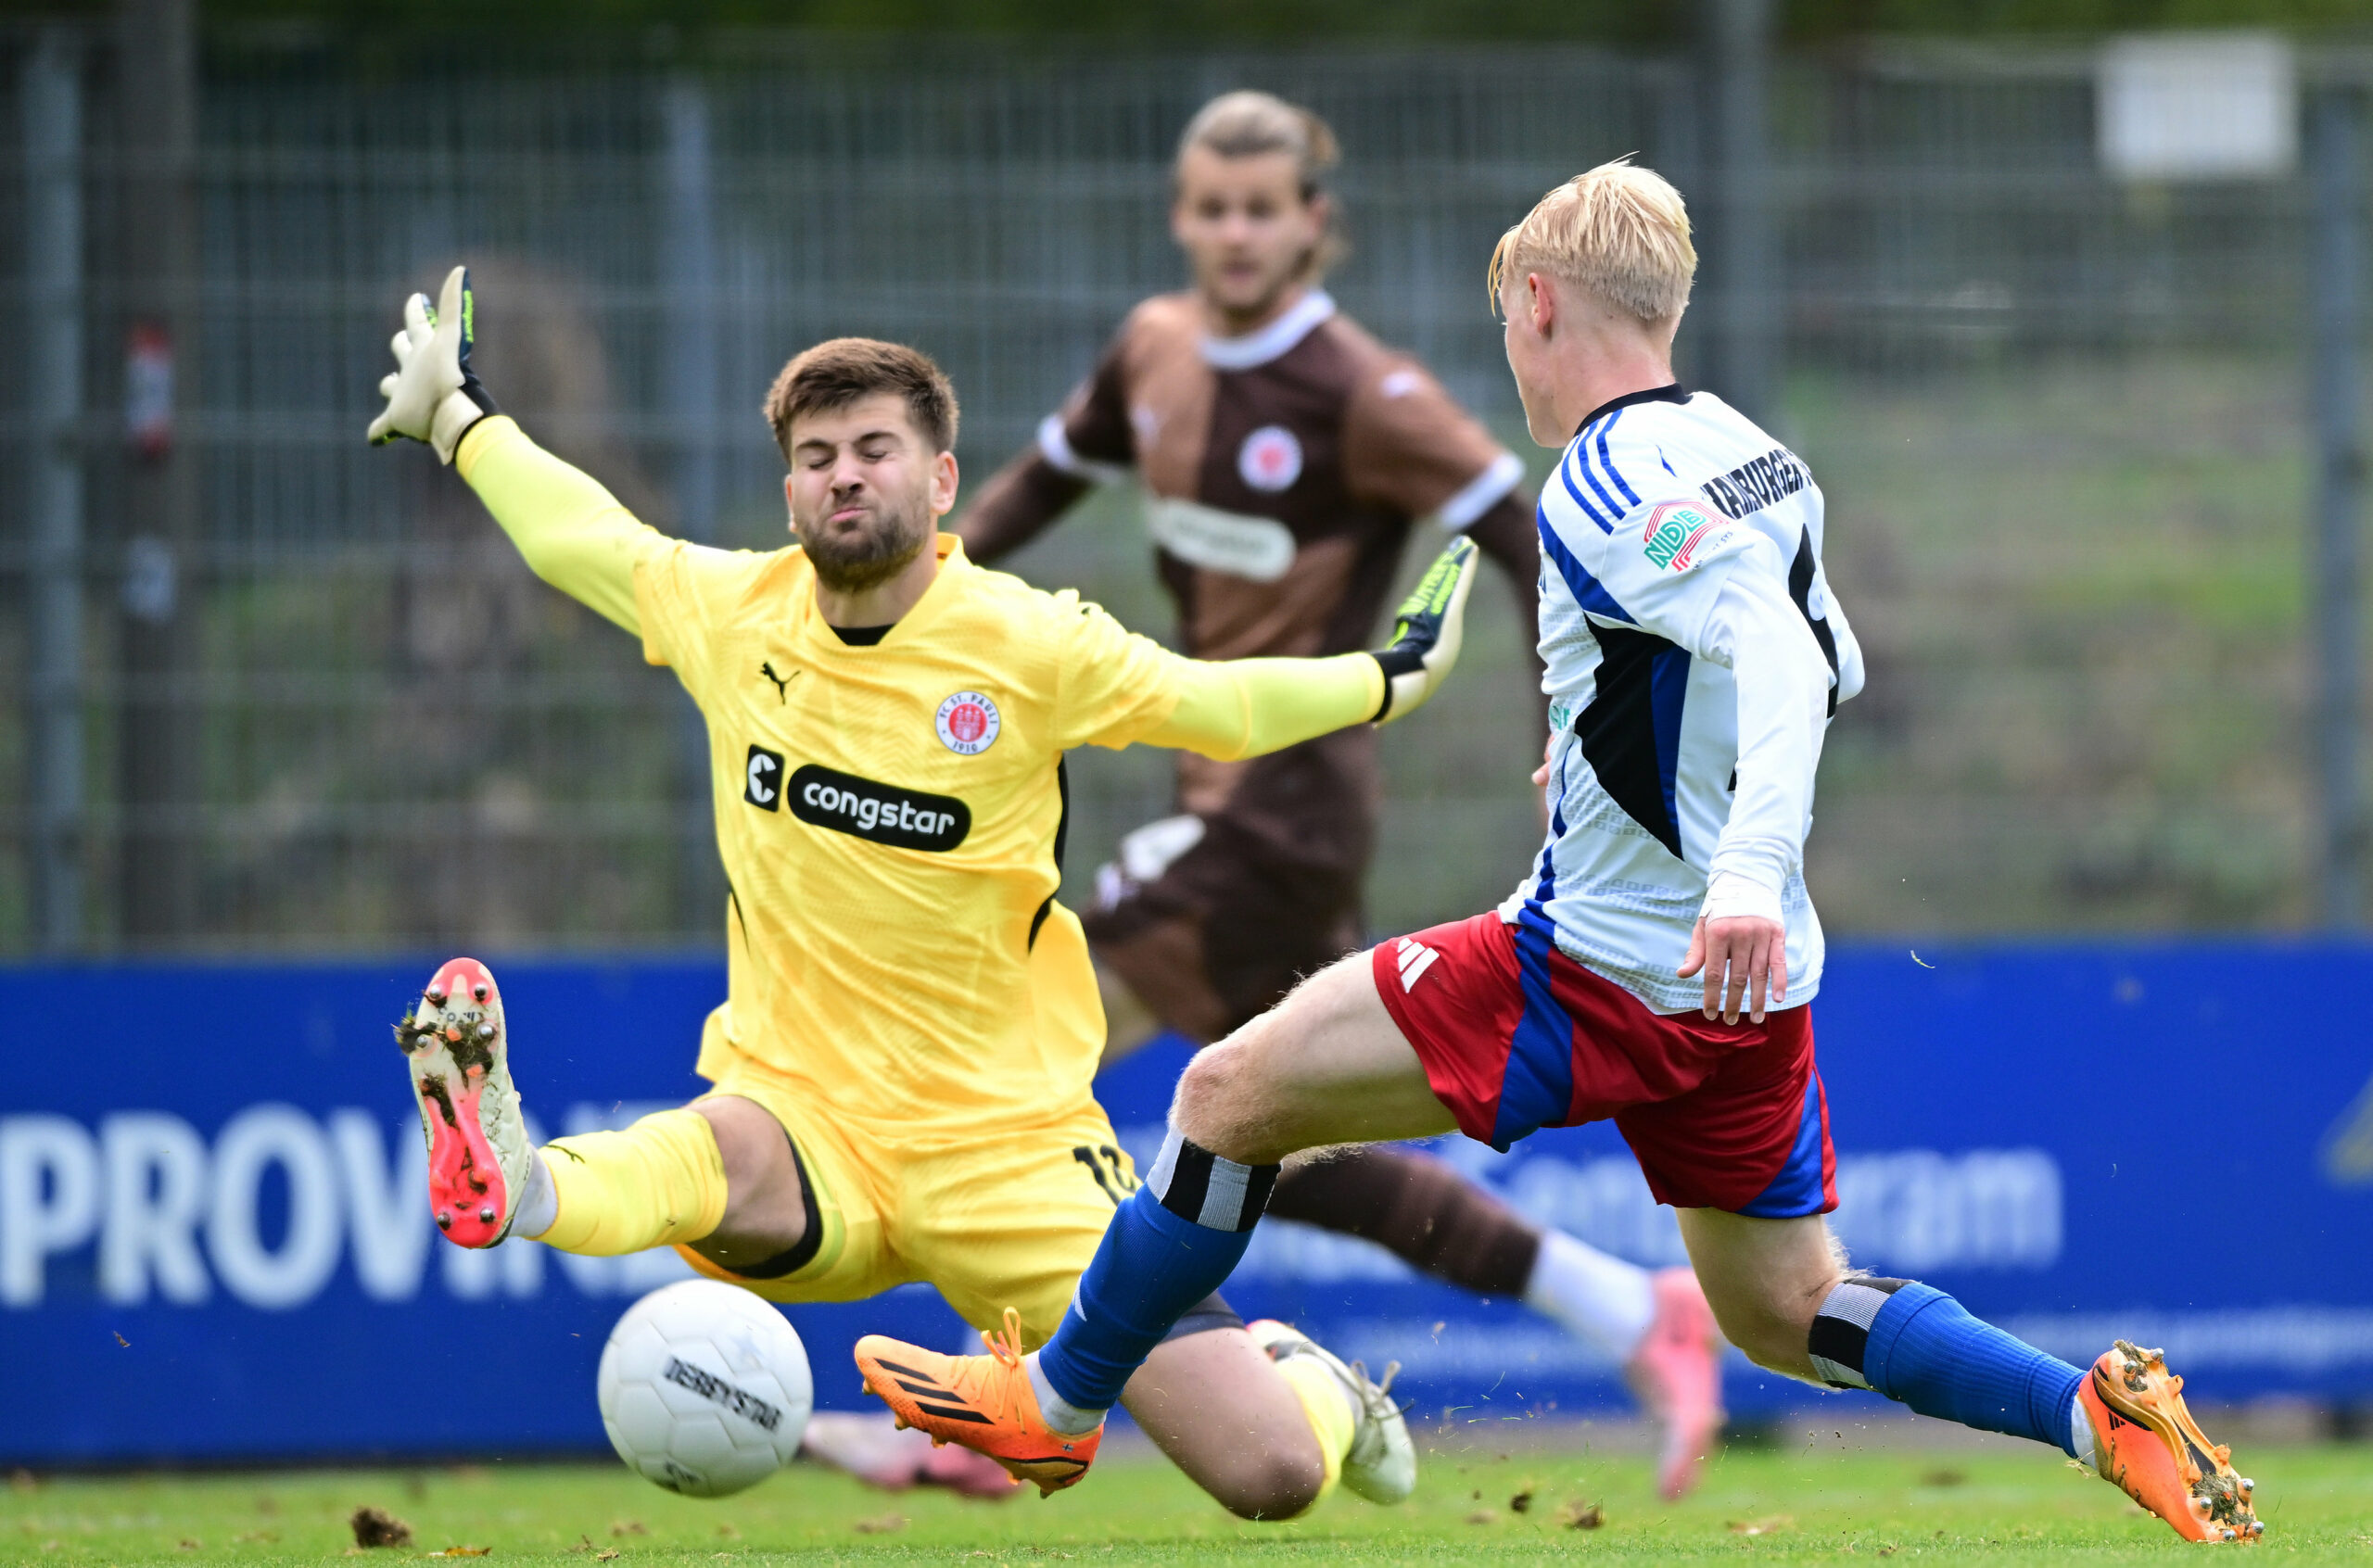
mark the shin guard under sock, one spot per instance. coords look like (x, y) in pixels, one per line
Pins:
(659, 1182)
(1170, 1244)
(1921, 1347)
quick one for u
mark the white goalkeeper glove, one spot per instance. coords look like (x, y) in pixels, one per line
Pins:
(1425, 633)
(434, 396)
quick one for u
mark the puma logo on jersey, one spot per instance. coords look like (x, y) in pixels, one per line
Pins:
(1415, 958)
(782, 683)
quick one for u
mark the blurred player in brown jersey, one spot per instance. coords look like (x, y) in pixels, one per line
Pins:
(1285, 456)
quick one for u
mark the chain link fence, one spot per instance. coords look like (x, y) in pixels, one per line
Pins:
(2059, 419)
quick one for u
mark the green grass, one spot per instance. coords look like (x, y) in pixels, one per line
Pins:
(1820, 1503)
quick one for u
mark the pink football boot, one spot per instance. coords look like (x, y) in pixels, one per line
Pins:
(880, 1453)
(455, 1043)
(1677, 1372)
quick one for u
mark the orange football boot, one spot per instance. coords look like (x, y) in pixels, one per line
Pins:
(984, 1403)
(2145, 1441)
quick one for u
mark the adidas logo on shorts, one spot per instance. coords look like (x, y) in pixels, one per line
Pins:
(1415, 958)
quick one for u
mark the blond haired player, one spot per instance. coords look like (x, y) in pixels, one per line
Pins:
(902, 1064)
(1656, 965)
(1285, 457)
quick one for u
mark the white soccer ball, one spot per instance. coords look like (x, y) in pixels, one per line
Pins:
(705, 1388)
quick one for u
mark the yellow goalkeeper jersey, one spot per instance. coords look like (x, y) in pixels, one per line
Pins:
(890, 815)
(891, 821)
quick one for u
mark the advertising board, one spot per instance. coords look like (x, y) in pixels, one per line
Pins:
(213, 1244)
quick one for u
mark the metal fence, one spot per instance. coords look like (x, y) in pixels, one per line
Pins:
(2059, 419)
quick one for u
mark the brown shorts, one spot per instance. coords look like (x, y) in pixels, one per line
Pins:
(1215, 935)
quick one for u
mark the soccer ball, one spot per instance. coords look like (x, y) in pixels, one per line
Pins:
(705, 1388)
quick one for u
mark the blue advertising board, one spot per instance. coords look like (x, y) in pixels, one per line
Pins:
(213, 1245)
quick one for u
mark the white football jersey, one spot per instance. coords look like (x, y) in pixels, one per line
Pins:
(1694, 656)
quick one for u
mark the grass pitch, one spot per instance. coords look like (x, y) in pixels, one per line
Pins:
(1822, 1503)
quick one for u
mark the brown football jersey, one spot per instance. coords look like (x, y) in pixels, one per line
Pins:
(1282, 472)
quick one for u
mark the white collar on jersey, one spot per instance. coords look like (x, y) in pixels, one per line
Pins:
(1256, 348)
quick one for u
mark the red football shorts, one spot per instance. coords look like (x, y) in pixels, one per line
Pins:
(1515, 1036)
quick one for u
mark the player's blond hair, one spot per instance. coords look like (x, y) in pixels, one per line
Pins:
(1250, 124)
(1619, 231)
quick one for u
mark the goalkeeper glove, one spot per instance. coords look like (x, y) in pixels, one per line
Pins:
(434, 396)
(1425, 633)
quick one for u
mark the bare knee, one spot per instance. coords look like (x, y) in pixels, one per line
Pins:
(1765, 1279)
(1770, 1328)
(1216, 1105)
(765, 1202)
(1327, 1065)
(1274, 1481)
(1218, 1407)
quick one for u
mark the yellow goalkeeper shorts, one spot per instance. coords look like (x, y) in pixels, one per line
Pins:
(1009, 1220)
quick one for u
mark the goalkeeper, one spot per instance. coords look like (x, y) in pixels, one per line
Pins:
(901, 1066)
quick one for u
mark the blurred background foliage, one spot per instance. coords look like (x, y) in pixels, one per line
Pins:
(1624, 22)
(2062, 418)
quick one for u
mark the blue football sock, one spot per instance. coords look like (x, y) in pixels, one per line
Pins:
(1921, 1347)
(1173, 1242)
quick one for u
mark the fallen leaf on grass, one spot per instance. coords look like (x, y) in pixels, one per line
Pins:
(1581, 1516)
(377, 1527)
(881, 1524)
(1761, 1526)
(727, 1532)
(1887, 1551)
(186, 1544)
(463, 1551)
(1484, 1516)
(1520, 1502)
(605, 1557)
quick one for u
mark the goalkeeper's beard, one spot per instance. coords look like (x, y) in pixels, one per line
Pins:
(860, 560)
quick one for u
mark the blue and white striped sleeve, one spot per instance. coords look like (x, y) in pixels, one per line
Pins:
(1643, 554)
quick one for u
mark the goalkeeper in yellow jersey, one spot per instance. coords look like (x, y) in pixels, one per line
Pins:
(902, 1066)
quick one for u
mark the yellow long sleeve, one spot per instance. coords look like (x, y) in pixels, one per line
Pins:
(570, 530)
(1237, 708)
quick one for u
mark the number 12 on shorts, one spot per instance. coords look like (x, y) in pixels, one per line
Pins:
(1111, 1171)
